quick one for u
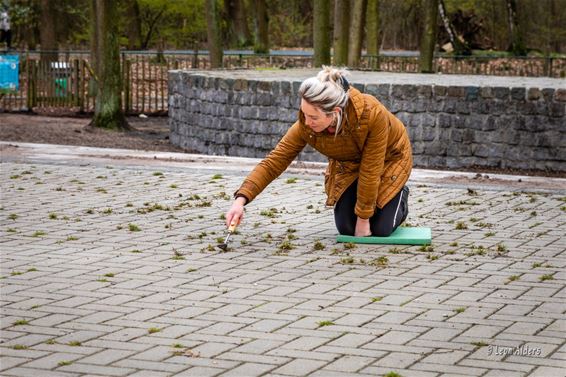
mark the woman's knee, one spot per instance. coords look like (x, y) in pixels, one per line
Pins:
(382, 230)
(345, 228)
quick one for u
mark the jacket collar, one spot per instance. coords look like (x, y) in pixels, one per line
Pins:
(356, 102)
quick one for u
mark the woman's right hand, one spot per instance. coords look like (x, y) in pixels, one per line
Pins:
(236, 213)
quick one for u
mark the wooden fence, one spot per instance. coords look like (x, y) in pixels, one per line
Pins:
(66, 86)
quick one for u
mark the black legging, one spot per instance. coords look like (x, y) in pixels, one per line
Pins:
(384, 220)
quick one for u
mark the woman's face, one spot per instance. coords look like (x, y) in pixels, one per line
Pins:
(315, 118)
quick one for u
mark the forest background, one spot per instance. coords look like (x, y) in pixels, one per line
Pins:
(181, 24)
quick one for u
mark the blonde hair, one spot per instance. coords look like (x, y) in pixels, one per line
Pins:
(327, 90)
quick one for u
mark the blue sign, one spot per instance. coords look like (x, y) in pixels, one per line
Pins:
(9, 73)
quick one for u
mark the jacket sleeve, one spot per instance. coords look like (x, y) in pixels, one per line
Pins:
(372, 163)
(274, 164)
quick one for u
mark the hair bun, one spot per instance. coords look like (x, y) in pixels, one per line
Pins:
(330, 73)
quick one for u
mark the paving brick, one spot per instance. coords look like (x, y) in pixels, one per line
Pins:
(398, 360)
(96, 369)
(259, 346)
(300, 367)
(249, 369)
(26, 372)
(200, 371)
(349, 363)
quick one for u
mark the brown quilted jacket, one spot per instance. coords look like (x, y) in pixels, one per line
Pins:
(372, 146)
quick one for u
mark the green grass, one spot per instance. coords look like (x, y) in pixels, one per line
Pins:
(459, 310)
(347, 260)
(349, 245)
(38, 233)
(392, 374)
(286, 245)
(53, 216)
(479, 344)
(217, 176)
(318, 246)
(325, 323)
(291, 180)
(64, 362)
(536, 265)
(460, 225)
(546, 277)
(133, 228)
(513, 278)
(153, 330)
(19, 347)
(74, 343)
(426, 248)
(135, 251)
(12, 216)
(269, 213)
(376, 299)
(381, 261)
(109, 275)
(20, 322)
(158, 174)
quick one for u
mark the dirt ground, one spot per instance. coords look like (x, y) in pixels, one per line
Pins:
(151, 134)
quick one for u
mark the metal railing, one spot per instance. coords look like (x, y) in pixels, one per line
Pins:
(67, 85)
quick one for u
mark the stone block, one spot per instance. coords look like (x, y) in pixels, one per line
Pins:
(548, 94)
(557, 109)
(534, 94)
(240, 84)
(486, 92)
(560, 95)
(264, 86)
(424, 91)
(456, 91)
(359, 86)
(518, 94)
(501, 93)
(439, 90)
(285, 88)
(472, 93)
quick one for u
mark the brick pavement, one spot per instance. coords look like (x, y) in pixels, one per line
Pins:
(112, 270)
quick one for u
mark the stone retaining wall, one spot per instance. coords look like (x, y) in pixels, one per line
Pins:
(453, 121)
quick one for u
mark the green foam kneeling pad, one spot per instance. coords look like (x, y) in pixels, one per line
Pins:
(401, 236)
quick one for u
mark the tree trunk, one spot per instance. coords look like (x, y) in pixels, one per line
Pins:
(321, 32)
(106, 61)
(357, 23)
(262, 28)
(236, 18)
(133, 28)
(517, 47)
(428, 38)
(213, 32)
(341, 31)
(460, 48)
(47, 33)
(373, 31)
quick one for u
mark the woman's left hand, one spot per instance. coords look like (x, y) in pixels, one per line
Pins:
(362, 228)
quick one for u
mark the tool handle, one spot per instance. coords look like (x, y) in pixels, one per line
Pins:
(233, 226)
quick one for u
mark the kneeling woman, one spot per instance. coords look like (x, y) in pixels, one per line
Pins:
(368, 150)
